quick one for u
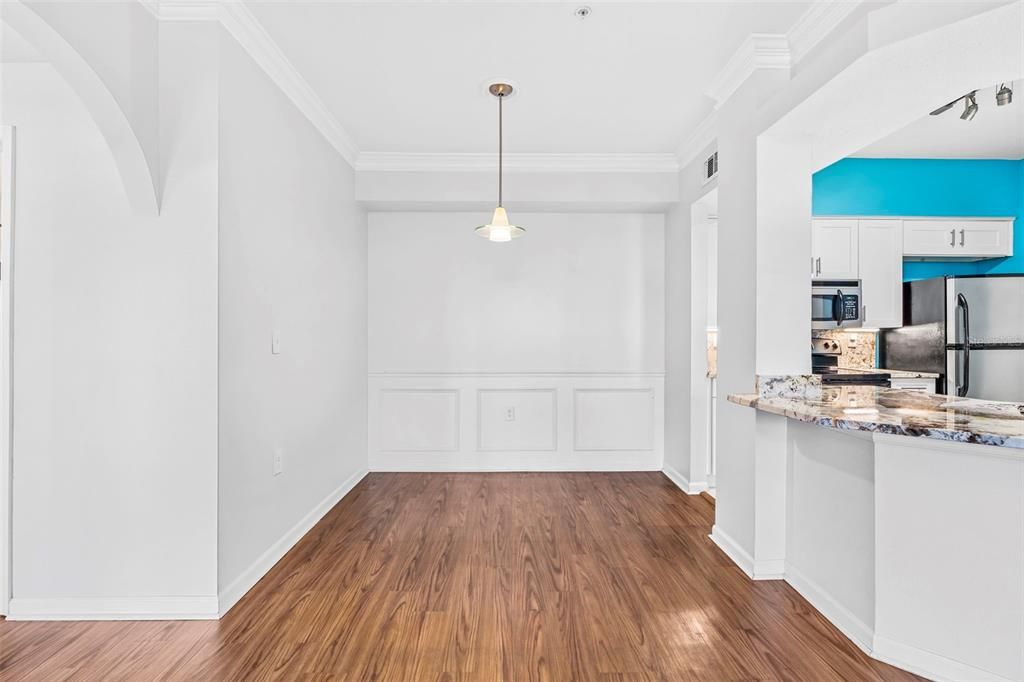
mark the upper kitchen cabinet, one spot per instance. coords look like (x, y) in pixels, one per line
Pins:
(834, 252)
(955, 239)
(880, 248)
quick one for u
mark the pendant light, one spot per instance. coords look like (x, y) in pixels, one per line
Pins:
(499, 229)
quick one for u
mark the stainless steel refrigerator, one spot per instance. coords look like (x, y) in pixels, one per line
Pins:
(969, 329)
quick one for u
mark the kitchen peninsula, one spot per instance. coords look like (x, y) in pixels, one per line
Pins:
(904, 520)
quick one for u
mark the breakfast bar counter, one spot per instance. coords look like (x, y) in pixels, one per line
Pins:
(903, 520)
(901, 413)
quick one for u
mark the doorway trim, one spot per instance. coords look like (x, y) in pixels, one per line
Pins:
(7, 147)
(703, 226)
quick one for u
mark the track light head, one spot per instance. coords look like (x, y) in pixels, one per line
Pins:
(945, 107)
(970, 107)
(1004, 95)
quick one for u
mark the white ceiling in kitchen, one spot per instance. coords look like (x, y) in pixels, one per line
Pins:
(994, 133)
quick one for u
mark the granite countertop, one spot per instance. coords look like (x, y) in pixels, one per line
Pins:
(902, 413)
(898, 373)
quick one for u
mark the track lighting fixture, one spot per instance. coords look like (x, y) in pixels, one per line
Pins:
(970, 107)
(1004, 95)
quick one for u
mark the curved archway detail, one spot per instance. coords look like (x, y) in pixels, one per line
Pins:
(111, 120)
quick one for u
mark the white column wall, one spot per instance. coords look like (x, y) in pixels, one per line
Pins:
(115, 351)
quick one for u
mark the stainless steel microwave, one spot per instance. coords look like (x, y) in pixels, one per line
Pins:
(836, 303)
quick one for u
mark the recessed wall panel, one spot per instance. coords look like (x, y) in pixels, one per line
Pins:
(418, 420)
(517, 420)
(614, 419)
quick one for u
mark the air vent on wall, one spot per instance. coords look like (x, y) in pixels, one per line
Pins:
(710, 167)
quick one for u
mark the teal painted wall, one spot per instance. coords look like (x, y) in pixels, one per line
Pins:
(928, 187)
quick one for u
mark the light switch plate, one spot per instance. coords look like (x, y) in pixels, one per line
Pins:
(278, 461)
(275, 343)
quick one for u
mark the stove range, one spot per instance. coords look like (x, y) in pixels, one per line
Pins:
(825, 361)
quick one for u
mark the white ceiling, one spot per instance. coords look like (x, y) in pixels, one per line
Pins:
(994, 133)
(410, 77)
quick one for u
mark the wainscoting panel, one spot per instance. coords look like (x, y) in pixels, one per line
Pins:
(614, 419)
(450, 421)
(419, 420)
(517, 420)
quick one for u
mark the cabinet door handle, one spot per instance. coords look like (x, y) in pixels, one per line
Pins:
(952, 237)
(819, 265)
(962, 237)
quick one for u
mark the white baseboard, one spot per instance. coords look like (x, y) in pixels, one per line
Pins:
(928, 664)
(511, 468)
(114, 608)
(755, 570)
(856, 630)
(770, 570)
(230, 595)
(683, 483)
(733, 550)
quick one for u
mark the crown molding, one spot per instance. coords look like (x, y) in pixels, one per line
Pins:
(541, 163)
(817, 23)
(698, 140)
(758, 51)
(245, 28)
(767, 51)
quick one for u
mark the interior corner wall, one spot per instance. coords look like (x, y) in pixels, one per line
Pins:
(545, 353)
(292, 255)
(115, 353)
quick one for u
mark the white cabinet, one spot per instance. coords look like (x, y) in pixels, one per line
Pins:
(955, 239)
(834, 249)
(880, 256)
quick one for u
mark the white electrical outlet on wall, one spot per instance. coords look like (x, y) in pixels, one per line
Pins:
(278, 461)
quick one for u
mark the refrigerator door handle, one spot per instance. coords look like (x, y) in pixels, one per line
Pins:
(961, 305)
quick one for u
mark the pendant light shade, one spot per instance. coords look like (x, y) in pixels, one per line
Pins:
(499, 229)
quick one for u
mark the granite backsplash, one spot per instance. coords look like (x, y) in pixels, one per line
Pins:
(858, 346)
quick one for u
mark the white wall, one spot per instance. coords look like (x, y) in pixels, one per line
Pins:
(114, 363)
(292, 259)
(575, 307)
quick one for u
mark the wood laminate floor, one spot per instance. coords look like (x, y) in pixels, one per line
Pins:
(480, 577)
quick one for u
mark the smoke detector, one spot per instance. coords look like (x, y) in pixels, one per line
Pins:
(582, 12)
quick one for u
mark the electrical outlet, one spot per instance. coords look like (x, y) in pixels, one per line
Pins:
(510, 414)
(278, 461)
